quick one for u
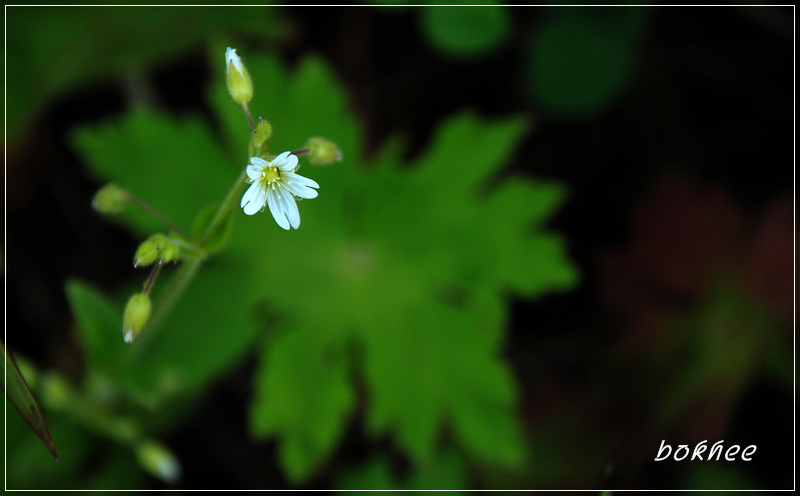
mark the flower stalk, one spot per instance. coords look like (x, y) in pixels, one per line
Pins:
(274, 183)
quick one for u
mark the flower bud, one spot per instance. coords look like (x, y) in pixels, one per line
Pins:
(158, 460)
(240, 86)
(322, 151)
(171, 251)
(137, 311)
(156, 247)
(110, 199)
(260, 135)
(146, 254)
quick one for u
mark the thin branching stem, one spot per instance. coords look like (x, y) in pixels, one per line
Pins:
(226, 205)
(249, 117)
(172, 293)
(155, 213)
(153, 275)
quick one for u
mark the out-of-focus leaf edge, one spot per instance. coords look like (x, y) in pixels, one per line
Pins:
(22, 398)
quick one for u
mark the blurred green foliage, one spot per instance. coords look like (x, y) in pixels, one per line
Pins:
(581, 59)
(721, 344)
(466, 31)
(19, 394)
(58, 49)
(576, 60)
(396, 281)
(377, 281)
(387, 307)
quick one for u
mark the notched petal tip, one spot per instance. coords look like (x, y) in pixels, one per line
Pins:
(286, 162)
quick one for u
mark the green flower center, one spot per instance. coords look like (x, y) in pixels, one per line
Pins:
(271, 175)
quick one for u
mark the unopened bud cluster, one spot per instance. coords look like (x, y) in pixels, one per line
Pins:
(157, 247)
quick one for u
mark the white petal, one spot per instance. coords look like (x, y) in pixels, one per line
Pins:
(259, 162)
(299, 185)
(290, 209)
(276, 207)
(254, 172)
(302, 180)
(248, 195)
(253, 199)
(232, 58)
(286, 162)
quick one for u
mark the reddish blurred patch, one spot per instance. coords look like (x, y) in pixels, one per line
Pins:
(683, 235)
(678, 377)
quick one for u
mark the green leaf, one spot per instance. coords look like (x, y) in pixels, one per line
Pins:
(374, 475)
(99, 325)
(24, 401)
(304, 402)
(407, 263)
(466, 31)
(581, 60)
(209, 331)
(28, 466)
(175, 166)
(216, 239)
(468, 152)
(396, 279)
(178, 168)
(447, 471)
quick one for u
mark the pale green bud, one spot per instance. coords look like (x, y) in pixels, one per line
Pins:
(322, 151)
(158, 460)
(110, 199)
(146, 254)
(240, 86)
(156, 247)
(171, 251)
(137, 311)
(261, 133)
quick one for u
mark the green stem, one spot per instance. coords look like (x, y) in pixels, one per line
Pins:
(158, 215)
(249, 117)
(227, 204)
(189, 268)
(172, 294)
(153, 275)
(186, 273)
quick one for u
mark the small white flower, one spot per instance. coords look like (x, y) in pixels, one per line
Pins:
(275, 183)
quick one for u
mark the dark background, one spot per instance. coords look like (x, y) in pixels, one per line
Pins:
(692, 164)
